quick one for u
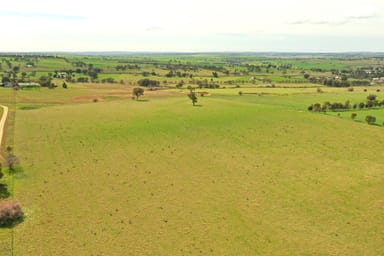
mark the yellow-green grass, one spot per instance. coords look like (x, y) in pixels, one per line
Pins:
(237, 176)
(378, 113)
(327, 93)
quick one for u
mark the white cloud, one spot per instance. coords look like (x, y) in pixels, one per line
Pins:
(162, 24)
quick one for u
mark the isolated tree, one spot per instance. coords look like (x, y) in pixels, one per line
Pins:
(137, 92)
(192, 95)
(65, 86)
(353, 115)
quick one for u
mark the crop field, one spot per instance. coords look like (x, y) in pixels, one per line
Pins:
(254, 173)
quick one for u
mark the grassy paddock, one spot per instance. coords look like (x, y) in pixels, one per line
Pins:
(239, 175)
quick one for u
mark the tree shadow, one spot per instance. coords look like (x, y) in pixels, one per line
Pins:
(198, 105)
(4, 193)
(13, 223)
(142, 100)
(16, 170)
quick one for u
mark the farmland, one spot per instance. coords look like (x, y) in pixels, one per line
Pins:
(254, 173)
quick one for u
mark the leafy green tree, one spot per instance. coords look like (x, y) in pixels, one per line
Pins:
(137, 92)
(192, 95)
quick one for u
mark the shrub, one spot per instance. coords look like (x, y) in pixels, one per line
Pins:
(319, 90)
(353, 115)
(350, 89)
(240, 93)
(378, 90)
(371, 97)
(365, 90)
(370, 119)
(148, 82)
(10, 213)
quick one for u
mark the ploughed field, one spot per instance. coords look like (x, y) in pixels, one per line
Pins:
(238, 175)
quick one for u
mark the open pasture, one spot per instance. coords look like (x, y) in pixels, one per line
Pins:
(244, 175)
(248, 171)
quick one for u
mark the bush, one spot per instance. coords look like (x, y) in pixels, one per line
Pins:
(353, 115)
(148, 82)
(10, 213)
(370, 119)
(350, 89)
(371, 97)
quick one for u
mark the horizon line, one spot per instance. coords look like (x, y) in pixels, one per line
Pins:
(186, 52)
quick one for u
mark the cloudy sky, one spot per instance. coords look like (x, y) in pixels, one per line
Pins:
(199, 25)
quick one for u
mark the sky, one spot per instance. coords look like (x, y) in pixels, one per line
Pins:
(192, 26)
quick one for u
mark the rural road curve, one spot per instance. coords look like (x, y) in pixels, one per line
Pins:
(2, 122)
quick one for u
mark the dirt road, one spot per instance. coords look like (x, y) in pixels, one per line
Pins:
(2, 122)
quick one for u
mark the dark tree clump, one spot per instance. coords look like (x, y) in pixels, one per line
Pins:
(370, 119)
(10, 213)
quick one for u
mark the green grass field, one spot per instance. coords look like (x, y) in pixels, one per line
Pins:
(237, 175)
(249, 174)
